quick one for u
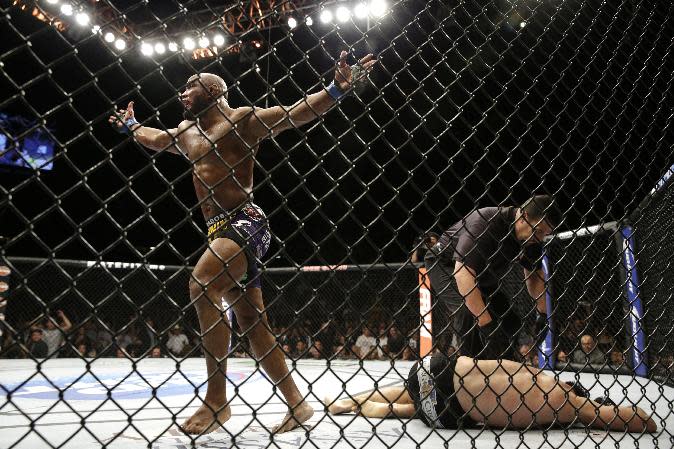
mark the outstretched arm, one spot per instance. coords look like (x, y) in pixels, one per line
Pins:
(270, 121)
(154, 139)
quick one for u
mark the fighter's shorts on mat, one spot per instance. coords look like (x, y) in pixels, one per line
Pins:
(249, 228)
(431, 386)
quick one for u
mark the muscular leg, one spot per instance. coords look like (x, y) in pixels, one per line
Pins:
(379, 403)
(217, 271)
(252, 319)
(509, 394)
(396, 394)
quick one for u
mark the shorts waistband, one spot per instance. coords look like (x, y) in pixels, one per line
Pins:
(226, 214)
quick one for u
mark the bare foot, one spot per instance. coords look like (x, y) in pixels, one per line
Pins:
(337, 406)
(371, 409)
(206, 419)
(295, 418)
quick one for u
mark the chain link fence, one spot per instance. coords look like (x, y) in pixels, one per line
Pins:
(469, 104)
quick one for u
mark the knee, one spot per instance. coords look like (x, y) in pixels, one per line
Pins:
(203, 285)
(196, 288)
(249, 317)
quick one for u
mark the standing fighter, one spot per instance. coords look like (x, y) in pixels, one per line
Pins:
(478, 252)
(221, 143)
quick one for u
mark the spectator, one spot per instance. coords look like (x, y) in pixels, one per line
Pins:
(80, 337)
(91, 331)
(348, 340)
(422, 245)
(121, 353)
(667, 363)
(571, 332)
(54, 333)
(326, 334)
(148, 335)
(605, 342)
(588, 353)
(301, 350)
(137, 346)
(92, 353)
(82, 350)
(365, 344)
(283, 337)
(177, 342)
(288, 351)
(123, 340)
(156, 353)
(617, 359)
(396, 342)
(408, 354)
(37, 347)
(527, 354)
(104, 339)
(562, 357)
(10, 348)
(317, 351)
(382, 343)
(451, 350)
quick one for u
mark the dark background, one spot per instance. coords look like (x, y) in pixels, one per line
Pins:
(466, 109)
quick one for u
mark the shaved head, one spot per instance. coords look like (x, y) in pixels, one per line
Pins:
(202, 91)
(210, 81)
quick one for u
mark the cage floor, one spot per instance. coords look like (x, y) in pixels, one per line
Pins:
(131, 417)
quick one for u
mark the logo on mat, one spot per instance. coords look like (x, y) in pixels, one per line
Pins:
(121, 385)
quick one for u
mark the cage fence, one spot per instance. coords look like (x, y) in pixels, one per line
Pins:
(107, 337)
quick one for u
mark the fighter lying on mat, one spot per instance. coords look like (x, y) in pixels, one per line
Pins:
(462, 391)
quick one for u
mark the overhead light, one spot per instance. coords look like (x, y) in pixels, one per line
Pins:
(146, 49)
(82, 18)
(159, 48)
(188, 43)
(343, 14)
(360, 11)
(95, 29)
(203, 42)
(52, 2)
(257, 44)
(326, 16)
(109, 37)
(292, 23)
(309, 21)
(219, 40)
(67, 9)
(378, 8)
(523, 24)
(172, 46)
(120, 44)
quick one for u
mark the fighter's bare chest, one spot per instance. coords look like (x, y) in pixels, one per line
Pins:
(201, 145)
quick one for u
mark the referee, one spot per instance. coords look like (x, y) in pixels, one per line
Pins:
(468, 264)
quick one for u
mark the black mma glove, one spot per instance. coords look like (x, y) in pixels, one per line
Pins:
(541, 327)
(495, 342)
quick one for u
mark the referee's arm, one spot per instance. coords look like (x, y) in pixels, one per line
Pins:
(535, 281)
(466, 282)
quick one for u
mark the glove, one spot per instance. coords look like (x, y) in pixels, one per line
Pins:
(495, 341)
(126, 127)
(540, 327)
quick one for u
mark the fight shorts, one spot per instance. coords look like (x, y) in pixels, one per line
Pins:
(431, 385)
(248, 227)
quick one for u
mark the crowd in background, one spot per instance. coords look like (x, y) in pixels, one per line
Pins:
(56, 336)
(578, 346)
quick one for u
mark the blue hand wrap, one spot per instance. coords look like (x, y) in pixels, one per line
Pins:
(126, 129)
(334, 91)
